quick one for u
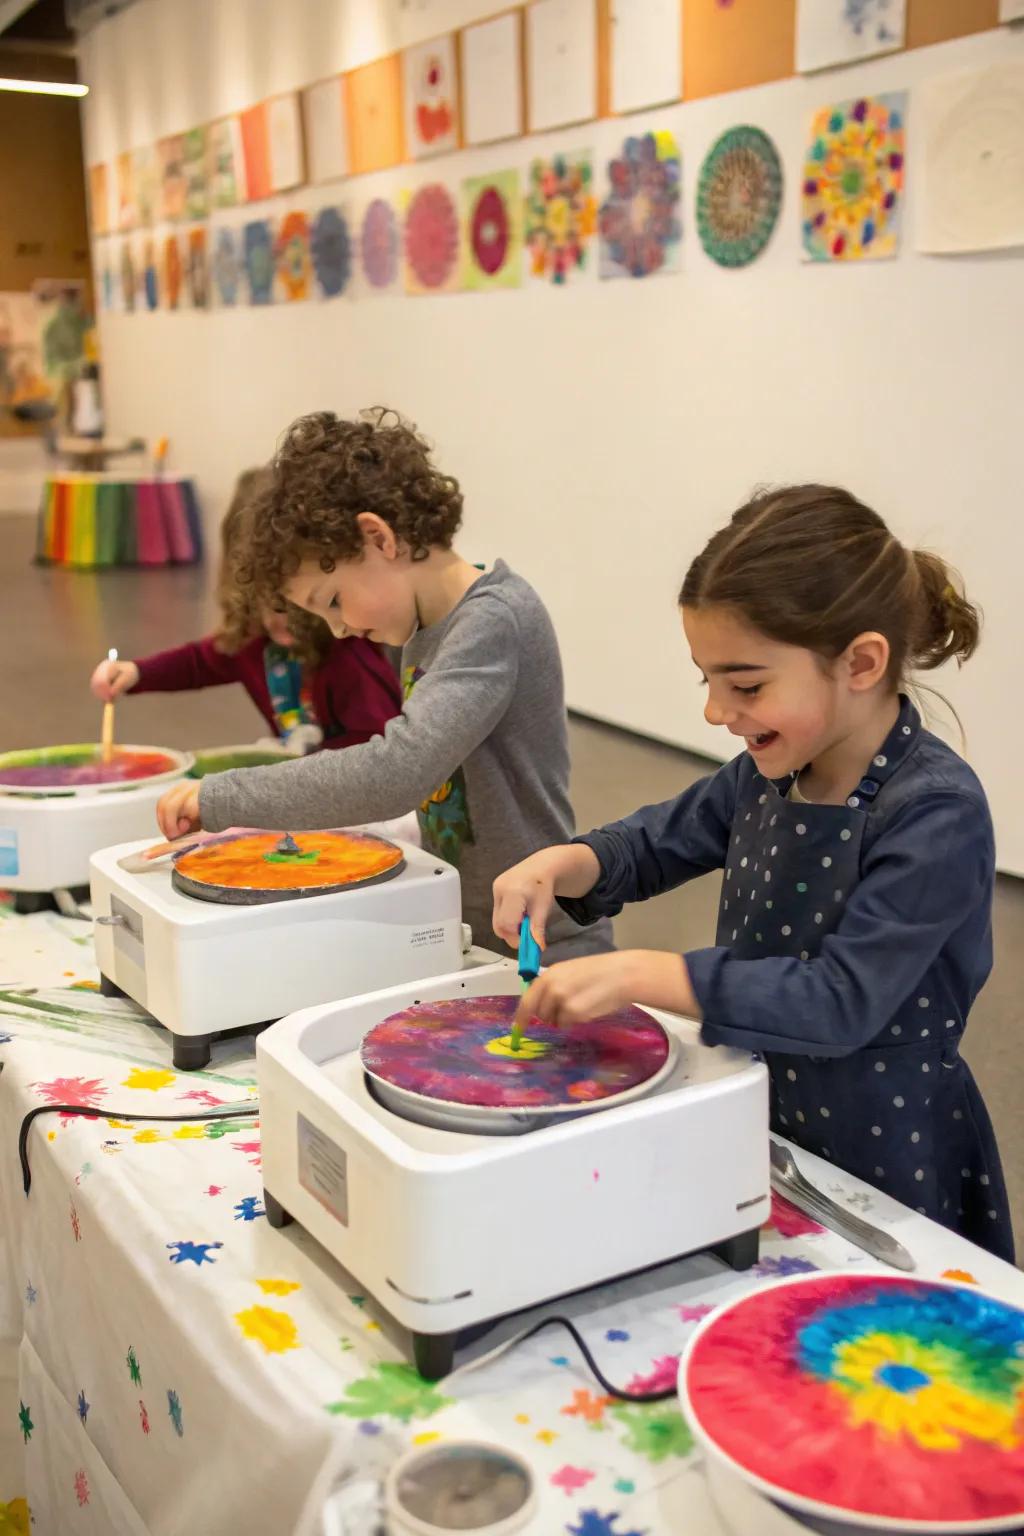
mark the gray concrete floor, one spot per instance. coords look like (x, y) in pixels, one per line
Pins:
(57, 624)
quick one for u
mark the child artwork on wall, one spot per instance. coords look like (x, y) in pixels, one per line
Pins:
(172, 272)
(561, 63)
(127, 213)
(284, 142)
(432, 241)
(197, 201)
(227, 265)
(492, 213)
(374, 103)
(292, 255)
(99, 199)
(832, 32)
(492, 79)
(560, 216)
(173, 189)
(853, 179)
(640, 220)
(149, 273)
(255, 152)
(739, 195)
(196, 268)
(259, 261)
(225, 163)
(129, 278)
(323, 112)
(147, 185)
(431, 95)
(380, 244)
(971, 189)
(647, 54)
(331, 251)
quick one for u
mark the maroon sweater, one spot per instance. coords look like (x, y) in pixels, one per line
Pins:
(355, 690)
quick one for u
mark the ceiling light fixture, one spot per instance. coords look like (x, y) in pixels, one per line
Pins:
(45, 87)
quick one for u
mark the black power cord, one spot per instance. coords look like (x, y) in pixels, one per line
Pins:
(250, 1112)
(584, 1349)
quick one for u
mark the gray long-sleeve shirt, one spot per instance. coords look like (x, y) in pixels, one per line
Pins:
(481, 751)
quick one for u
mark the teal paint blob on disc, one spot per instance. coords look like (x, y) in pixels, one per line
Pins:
(739, 195)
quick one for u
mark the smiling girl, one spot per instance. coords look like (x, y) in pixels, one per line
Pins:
(854, 928)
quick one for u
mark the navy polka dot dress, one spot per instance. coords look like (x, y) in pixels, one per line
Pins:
(852, 941)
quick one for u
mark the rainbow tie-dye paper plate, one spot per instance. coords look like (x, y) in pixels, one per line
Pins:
(867, 1400)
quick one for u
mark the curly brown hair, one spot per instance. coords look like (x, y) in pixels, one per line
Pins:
(239, 606)
(325, 473)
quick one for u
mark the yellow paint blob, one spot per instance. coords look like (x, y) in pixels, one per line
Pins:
(528, 1050)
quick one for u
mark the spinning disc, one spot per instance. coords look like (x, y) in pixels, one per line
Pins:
(68, 770)
(878, 1402)
(451, 1063)
(245, 868)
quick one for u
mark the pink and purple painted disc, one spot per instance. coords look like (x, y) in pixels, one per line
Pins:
(456, 1050)
(81, 766)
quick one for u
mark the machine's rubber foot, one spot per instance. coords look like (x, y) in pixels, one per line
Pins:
(741, 1251)
(110, 988)
(276, 1213)
(434, 1354)
(190, 1053)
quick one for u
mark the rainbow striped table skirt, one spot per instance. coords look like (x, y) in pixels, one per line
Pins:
(90, 521)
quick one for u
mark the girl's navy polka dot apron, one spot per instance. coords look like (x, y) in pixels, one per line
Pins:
(903, 1113)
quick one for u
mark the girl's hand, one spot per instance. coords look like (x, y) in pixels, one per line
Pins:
(177, 811)
(530, 888)
(112, 678)
(597, 985)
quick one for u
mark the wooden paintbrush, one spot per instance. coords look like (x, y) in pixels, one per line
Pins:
(107, 729)
(529, 969)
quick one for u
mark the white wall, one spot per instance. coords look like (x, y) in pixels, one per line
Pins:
(602, 432)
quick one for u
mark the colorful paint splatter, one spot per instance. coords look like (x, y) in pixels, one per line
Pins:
(249, 1209)
(294, 268)
(196, 1253)
(379, 245)
(561, 216)
(739, 195)
(134, 1370)
(395, 1390)
(174, 1412)
(904, 1399)
(853, 180)
(83, 1406)
(640, 221)
(25, 1423)
(83, 1091)
(259, 261)
(227, 265)
(431, 240)
(457, 1050)
(274, 1330)
(81, 1486)
(331, 249)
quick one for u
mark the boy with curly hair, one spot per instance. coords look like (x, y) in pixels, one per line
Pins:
(357, 526)
(310, 688)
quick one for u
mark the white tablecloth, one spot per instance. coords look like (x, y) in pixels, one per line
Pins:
(171, 1366)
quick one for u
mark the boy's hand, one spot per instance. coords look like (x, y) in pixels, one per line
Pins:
(177, 811)
(597, 985)
(530, 888)
(112, 678)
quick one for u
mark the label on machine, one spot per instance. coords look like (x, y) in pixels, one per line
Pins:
(9, 852)
(323, 1170)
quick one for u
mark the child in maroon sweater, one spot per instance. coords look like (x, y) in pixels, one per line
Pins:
(310, 688)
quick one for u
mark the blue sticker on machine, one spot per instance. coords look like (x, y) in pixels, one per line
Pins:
(323, 1169)
(9, 852)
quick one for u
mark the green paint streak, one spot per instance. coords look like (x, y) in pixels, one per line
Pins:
(654, 1430)
(395, 1390)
